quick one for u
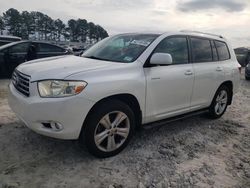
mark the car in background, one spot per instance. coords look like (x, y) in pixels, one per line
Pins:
(78, 50)
(13, 54)
(242, 55)
(5, 39)
(247, 71)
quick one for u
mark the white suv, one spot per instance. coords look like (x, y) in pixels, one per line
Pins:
(123, 82)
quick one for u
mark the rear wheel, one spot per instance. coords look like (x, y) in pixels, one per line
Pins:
(108, 128)
(220, 102)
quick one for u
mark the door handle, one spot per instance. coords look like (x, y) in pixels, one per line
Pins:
(188, 72)
(219, 69)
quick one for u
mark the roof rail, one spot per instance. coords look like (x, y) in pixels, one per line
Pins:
(190, 31)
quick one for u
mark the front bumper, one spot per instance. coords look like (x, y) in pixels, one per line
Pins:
(69, 112)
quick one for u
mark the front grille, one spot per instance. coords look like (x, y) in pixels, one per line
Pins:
(21, 82)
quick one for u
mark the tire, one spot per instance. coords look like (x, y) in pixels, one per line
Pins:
(218, 107)
(247, 78)
(100, 122)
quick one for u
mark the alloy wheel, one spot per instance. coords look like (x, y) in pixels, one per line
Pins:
(221, 102)
(112, 131)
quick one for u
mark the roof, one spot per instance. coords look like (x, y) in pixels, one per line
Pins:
(202, 34)
(182, 32)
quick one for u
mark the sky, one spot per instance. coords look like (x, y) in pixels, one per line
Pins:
(230, 18)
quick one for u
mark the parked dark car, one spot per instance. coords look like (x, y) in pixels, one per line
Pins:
(4, 39)
(13, 54)
(243, 55)
(247, 71)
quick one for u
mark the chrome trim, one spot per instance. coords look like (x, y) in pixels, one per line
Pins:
(21, 82)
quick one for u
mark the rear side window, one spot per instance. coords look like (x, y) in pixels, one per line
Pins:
(201, 50)
(49, 48)
(176, 46)
(19, 48)
(222, 49)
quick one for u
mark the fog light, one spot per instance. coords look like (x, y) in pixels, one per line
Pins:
(55, 126)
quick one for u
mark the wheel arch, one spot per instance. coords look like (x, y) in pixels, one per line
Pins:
(229, 85)
(127, 98)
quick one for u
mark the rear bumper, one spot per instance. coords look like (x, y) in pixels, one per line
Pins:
(69, 112)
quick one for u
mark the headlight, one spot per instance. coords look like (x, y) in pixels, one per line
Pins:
(58, 88)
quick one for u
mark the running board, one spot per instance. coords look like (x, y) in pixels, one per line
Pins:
(176, 118)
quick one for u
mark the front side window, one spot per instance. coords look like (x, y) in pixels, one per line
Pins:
(121, 48)
(177, 47)
(222, 50)
(201, 50)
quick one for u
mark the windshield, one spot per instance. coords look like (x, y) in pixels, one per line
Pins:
(121, 48)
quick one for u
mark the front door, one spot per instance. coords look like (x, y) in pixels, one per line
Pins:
(169, 88)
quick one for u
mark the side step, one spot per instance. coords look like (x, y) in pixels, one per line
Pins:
(176, 118)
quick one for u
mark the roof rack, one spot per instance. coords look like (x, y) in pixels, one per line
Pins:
(190, 31)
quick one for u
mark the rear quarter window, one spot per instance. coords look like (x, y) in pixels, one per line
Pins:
(222, 50)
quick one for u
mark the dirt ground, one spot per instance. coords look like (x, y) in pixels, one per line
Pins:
(195, 152)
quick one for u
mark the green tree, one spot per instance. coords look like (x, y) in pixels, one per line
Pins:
(73, 29)
(59, 28)
(82, 28)
(44, 27)
(39, 24)
(12, 19)
(1, 25)
(66, 33)
(28, 24)
(47, 26)
(91, 30)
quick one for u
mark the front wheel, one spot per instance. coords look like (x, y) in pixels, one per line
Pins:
(108, 128)
(219, 103)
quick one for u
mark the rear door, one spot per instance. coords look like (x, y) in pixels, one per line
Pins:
(169, 88)
(49, 50)
(208, 71)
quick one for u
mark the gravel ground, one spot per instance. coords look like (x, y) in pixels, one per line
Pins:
(195, 152)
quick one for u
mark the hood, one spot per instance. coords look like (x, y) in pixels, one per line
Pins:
(61, 67)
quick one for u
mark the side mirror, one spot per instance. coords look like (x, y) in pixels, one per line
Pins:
(161, 59)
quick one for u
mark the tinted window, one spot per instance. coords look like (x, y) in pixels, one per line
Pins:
(201, 50)
(176, 46)
(19, 48)
(215, 55)
(222, 50)
(49, 48)
(3, 43)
